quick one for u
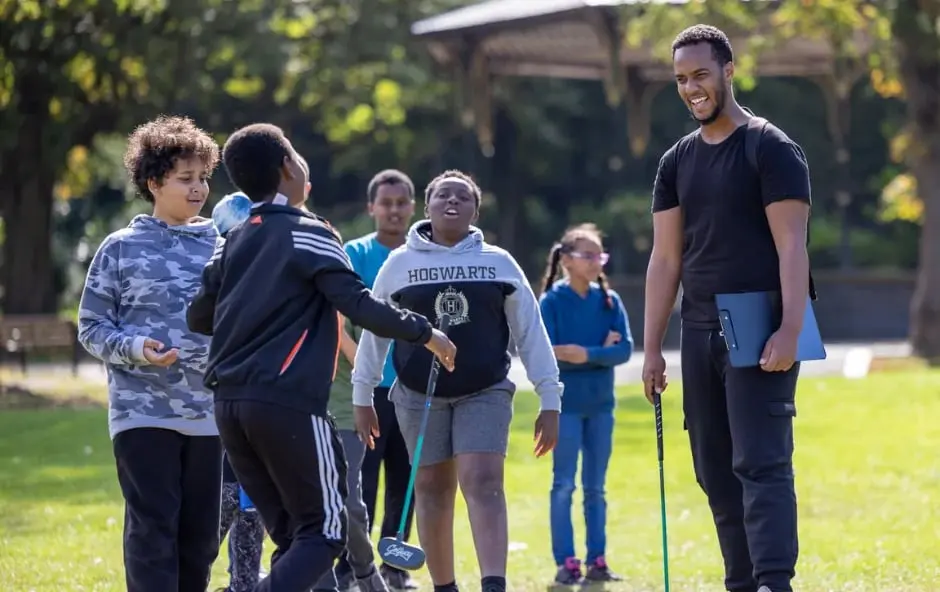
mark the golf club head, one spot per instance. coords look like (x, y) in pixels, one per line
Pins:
(400, 554)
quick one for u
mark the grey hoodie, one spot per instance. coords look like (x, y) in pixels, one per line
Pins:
(489, 301)
(139, 285)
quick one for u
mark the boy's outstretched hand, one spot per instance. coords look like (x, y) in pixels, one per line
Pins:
(546, 432)
(152, 354)
(443, 348)
(367, 425)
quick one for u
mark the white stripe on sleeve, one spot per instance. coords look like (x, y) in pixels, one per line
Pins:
(319, 245)
(329, 480)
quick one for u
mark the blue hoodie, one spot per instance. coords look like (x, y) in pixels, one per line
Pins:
(586, 321)
(139, 285)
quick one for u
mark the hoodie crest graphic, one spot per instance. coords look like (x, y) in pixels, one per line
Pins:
(453, 303)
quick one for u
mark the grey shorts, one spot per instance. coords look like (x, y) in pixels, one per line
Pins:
(478, 422)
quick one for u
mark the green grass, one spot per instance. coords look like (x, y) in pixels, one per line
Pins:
(868, 474)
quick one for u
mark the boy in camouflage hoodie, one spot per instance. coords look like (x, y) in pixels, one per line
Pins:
(132, 317)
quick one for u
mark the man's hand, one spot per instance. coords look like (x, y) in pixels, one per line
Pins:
(779, 353)
(367, 425)
(152, 354)
(613, 338)
(654, 374)
(443, 348)
(546, 432)
(573, 354)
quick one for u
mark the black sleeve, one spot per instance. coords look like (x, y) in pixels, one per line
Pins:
(201, 312)
(784, 172)
(352, 298)
(665, 196)
(320, 255)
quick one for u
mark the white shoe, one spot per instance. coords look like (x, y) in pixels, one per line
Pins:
(764, 589)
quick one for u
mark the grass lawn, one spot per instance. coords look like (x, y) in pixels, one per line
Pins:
(868, 474)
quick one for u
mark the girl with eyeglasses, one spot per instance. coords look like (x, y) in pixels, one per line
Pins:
(590, 332)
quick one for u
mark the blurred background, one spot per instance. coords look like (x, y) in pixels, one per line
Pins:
(560, 109)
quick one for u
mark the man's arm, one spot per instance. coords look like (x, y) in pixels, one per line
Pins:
(665, 265)
(319, 254)
(786, 193)
(618, 353)
(99, 329)
(532, 342)
(200, 315)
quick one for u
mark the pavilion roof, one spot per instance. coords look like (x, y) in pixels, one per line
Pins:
(562, 39)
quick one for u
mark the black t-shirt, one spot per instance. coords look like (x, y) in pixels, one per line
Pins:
(728, 246)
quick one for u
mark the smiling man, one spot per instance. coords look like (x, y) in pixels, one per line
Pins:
(723, 223)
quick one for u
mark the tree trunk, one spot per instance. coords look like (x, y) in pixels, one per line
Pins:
(29, 179)
(919, 57)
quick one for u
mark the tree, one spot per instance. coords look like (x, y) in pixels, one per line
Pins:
(916, 28)
(72, 69)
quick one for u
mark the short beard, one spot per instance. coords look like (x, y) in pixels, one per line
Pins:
(720, 104)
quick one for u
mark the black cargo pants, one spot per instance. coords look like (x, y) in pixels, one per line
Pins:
(740, 424)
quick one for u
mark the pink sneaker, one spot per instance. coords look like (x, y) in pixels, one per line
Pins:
(569, 573)
(599, 571)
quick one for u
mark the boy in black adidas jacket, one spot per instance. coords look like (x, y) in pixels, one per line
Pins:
(269, 298)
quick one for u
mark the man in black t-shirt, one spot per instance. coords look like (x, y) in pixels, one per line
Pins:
(725, 224)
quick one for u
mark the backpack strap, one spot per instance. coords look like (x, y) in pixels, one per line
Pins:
(752, 138)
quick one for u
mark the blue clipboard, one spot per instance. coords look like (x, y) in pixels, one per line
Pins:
(748, 319)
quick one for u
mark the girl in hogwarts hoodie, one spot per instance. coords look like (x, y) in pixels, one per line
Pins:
(589, 330)
(132, 316)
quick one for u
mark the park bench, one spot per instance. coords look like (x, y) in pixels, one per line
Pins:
(22, 335)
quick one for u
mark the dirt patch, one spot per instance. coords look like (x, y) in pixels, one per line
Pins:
(13, 397)
(909, 364)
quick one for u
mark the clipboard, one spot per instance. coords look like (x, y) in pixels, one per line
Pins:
(748, 319)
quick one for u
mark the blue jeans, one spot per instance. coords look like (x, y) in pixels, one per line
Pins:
(591, 435)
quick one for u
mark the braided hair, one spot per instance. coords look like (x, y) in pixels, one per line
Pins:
(567, 245)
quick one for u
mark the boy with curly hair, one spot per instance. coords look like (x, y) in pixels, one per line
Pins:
(132, 317)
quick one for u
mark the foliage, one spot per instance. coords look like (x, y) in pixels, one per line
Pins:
(900, 200)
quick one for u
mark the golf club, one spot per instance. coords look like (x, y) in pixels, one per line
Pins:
(658, 410)
(395, 551)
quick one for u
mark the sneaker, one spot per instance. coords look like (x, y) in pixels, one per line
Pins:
(569, 573)
(397, 579)
(764, 589)
(599, 571)
(373, 582)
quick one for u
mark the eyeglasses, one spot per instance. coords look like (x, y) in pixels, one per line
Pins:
(601, 258)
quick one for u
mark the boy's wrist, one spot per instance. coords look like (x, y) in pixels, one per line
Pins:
(361, 395)
(137, 348)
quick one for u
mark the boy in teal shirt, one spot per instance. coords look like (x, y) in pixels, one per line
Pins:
(391, 203)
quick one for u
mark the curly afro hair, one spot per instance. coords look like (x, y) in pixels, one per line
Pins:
(453, 174)
(154, 147)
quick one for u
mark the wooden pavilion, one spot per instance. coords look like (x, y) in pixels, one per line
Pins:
(582, 39)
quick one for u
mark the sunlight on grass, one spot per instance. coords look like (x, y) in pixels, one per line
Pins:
(868, 477)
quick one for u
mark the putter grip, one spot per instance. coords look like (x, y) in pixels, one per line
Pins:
(444, 323)
(658, 410)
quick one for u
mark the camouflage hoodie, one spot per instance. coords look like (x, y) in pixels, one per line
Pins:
(139, 285)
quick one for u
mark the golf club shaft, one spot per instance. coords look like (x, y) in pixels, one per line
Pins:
(432, 383)
(658, 409)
